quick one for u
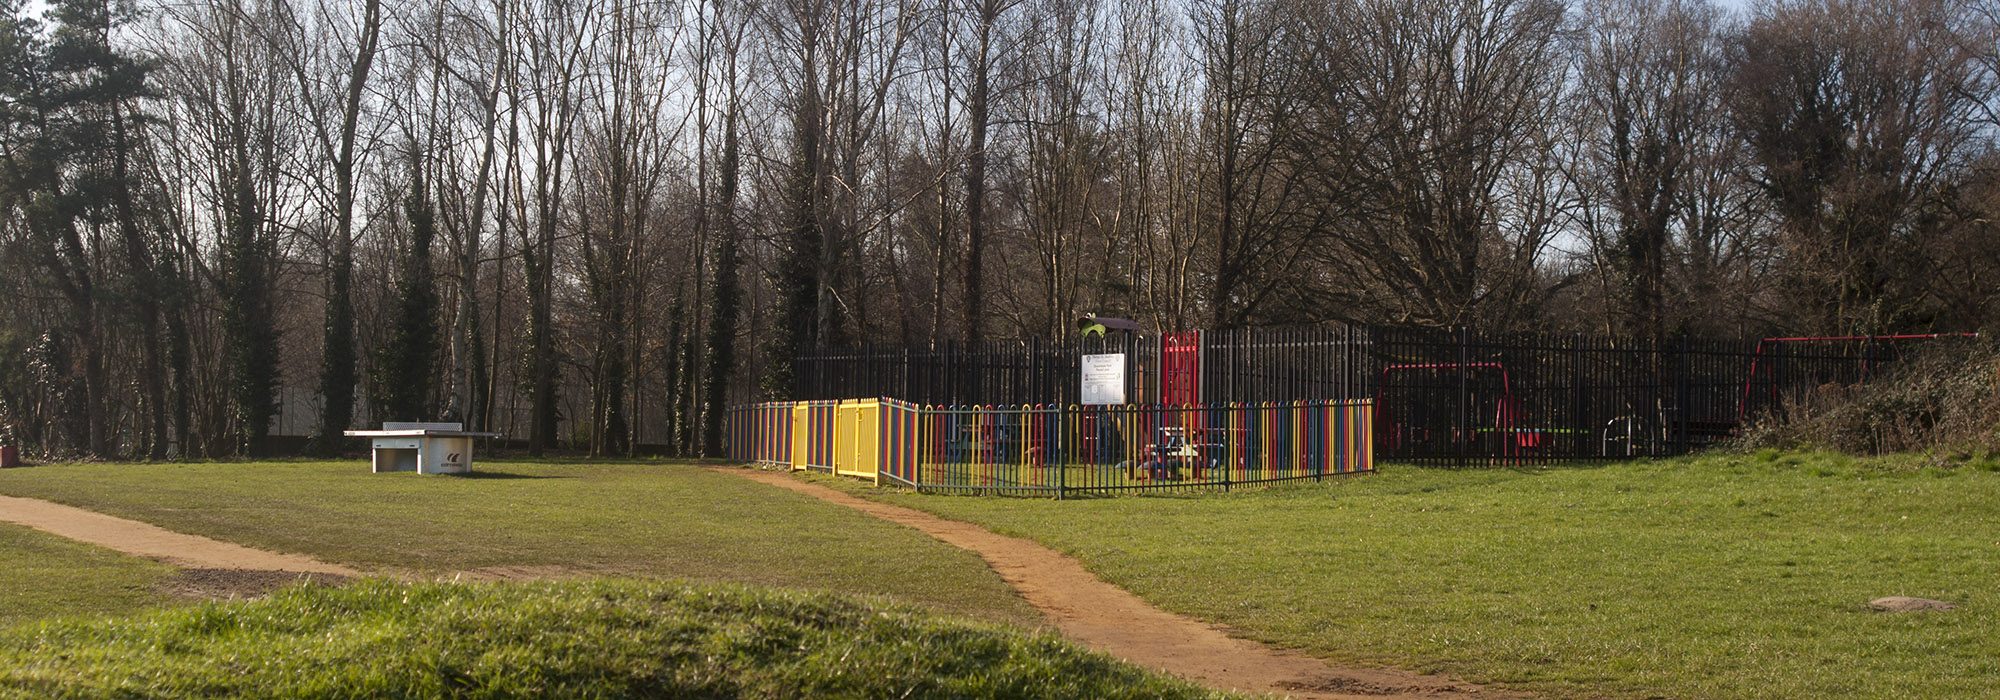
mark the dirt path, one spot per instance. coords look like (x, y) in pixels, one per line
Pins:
(1117, 622)
(137, 538)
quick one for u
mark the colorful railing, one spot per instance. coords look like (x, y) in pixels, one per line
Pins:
(1059, 450)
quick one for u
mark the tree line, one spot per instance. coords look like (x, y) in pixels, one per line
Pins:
(238, 227)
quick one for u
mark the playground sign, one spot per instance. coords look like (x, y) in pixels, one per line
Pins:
(1104, 379)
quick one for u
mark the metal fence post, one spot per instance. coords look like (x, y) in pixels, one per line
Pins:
(1461, 431)
(1323, 422)
(1059, 455)
(1237, 445)
(1580, 424)
(1681, 395)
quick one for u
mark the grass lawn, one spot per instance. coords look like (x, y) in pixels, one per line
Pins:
(1728, 576)
(568, 639)
(43, 575)
(648, 520)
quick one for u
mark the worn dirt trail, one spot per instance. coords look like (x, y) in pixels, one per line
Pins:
(153, 542)
(1111, 619)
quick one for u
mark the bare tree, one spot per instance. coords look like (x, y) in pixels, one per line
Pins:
(1256, 204)
(981, 55)
(554, 44)
(836, 64)
(1859, 114)
(1060, 187)
(1424, 111)
(625, 139)
(721, 46)
(329, 64)
(1646, 76)
(477, 69)
(1156, 242)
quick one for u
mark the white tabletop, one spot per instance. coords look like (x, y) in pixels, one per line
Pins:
(418, 433)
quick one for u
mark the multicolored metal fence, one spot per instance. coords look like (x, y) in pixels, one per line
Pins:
(1059, 450)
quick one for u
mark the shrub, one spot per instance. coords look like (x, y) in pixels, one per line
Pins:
(1944, 399)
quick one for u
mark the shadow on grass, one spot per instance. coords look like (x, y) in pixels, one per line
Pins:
(503, 475)
(1530, 468)
(511, 457)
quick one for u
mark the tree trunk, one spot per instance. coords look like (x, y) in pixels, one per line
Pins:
(337, 373)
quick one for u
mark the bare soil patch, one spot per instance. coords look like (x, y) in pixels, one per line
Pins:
(1113, 620)
(1897, 603)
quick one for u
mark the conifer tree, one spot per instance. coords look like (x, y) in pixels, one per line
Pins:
(405, 361)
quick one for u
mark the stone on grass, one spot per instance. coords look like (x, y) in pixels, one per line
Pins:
(1897, 603)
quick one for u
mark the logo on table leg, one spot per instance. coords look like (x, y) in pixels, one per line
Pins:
(452, 458)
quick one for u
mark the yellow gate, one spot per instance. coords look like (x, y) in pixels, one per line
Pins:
(802, 435)
(856, 438)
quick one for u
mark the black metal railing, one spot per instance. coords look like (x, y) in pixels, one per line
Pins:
(1450, 397)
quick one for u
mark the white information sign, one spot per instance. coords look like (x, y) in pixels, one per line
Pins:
(1104, 379)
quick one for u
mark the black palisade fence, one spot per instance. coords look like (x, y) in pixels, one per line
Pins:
(1449, 397)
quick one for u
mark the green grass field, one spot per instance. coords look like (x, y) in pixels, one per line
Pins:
(1726, 576)
(567, 639)
(1721, 576)
(43, 575)
(646, 520)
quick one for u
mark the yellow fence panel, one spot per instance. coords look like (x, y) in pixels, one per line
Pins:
(857, 439)
(801, 435)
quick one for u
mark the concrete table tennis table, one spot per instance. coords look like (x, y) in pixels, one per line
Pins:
(425, 448)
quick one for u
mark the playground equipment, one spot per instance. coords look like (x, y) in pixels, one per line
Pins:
(1099, 325)
(1505, 431)
(1182, 452)
(424, 448)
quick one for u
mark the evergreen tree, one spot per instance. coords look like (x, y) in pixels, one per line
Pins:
(249, 331)
(68, 132)
(337, 366)
(405, 361)
(721, 342)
